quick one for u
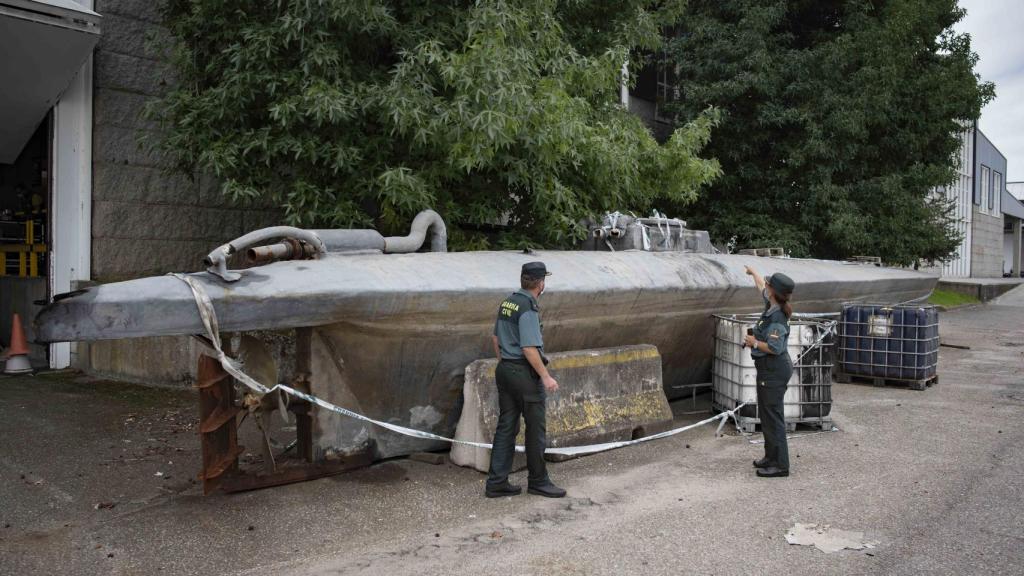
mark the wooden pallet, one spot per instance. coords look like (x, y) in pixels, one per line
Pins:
(878, 381)
(751, 425)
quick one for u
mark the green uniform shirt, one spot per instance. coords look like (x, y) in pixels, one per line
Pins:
(772, 327)
(518, 325)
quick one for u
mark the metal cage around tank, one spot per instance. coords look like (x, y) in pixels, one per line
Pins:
(808, 398)
(889, 342)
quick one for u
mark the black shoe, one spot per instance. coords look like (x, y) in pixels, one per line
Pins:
(772, 472)
(548, 490)
(762, 463)
(505, 489)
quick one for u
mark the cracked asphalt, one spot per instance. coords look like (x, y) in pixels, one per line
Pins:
(98, 478)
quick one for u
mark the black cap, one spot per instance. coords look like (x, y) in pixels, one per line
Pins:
(535, 270)
(781, 283)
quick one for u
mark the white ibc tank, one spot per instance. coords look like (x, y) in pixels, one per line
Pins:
(734, 378)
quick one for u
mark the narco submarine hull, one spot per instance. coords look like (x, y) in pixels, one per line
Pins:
(392, 333)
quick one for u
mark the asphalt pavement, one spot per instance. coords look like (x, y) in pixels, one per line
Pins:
(98, 478)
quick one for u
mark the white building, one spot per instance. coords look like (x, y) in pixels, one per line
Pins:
(988, 217)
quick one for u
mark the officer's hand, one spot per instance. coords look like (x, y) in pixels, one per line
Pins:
(749, 341)
(550, 384)
(749, 270)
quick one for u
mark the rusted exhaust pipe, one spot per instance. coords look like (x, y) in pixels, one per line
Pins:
(289, 249)
(265, 254)
(217, 261)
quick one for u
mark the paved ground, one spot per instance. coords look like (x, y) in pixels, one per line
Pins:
(935, 476)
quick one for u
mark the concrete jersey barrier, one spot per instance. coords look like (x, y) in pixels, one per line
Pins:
(604, 395)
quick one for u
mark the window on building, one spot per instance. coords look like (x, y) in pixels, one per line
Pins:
(983, 186)
(656, 84)
(667, 91)
(995, 195)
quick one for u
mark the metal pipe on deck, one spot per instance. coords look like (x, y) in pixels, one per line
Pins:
(427, 225)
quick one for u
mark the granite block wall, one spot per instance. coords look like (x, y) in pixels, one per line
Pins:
(146, 219)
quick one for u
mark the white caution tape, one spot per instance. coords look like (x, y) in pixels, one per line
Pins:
(232, 367)
(795, 436)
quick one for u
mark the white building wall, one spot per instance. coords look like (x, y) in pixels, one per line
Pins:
(961, 193)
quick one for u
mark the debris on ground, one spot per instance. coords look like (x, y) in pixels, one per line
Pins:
(827, 539)
(103, 505)
(951, 345)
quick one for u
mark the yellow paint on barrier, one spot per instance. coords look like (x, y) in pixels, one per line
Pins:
(591, 360)
(581, 361)
(647, 407)
(641, 409)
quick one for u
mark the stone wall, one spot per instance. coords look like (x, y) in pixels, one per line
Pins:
(147, 220)
(986, 246)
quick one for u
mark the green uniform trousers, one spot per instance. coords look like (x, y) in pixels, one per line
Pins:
(773, 373)
(520, 393)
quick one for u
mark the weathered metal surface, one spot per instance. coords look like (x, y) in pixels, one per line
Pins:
(394, 332)
(217, 428)
(459, 289)
(300, 243)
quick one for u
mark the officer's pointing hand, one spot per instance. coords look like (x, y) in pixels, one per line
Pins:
(550, 384)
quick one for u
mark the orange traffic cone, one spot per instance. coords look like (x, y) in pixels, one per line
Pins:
(17, 354)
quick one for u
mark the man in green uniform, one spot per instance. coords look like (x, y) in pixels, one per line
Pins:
(523, 382)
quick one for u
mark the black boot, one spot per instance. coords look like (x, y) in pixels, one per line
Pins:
(505, 489)
(772, 472)
(762, 463)
(547, 490)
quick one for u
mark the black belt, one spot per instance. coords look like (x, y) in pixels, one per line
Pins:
(771, 359)
(524, 362)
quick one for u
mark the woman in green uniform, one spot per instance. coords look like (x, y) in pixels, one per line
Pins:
(768, 347)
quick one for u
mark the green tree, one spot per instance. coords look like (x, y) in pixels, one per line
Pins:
(363, 112)
(839, 117)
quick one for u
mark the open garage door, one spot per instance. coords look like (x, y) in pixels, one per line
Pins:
(44, 44)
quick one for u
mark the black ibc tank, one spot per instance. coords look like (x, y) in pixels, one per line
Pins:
(897, 342)
(815, 370)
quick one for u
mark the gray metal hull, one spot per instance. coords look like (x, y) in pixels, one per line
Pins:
(400, 329)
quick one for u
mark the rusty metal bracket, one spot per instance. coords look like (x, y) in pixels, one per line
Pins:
(289, 473)
(217, 427)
